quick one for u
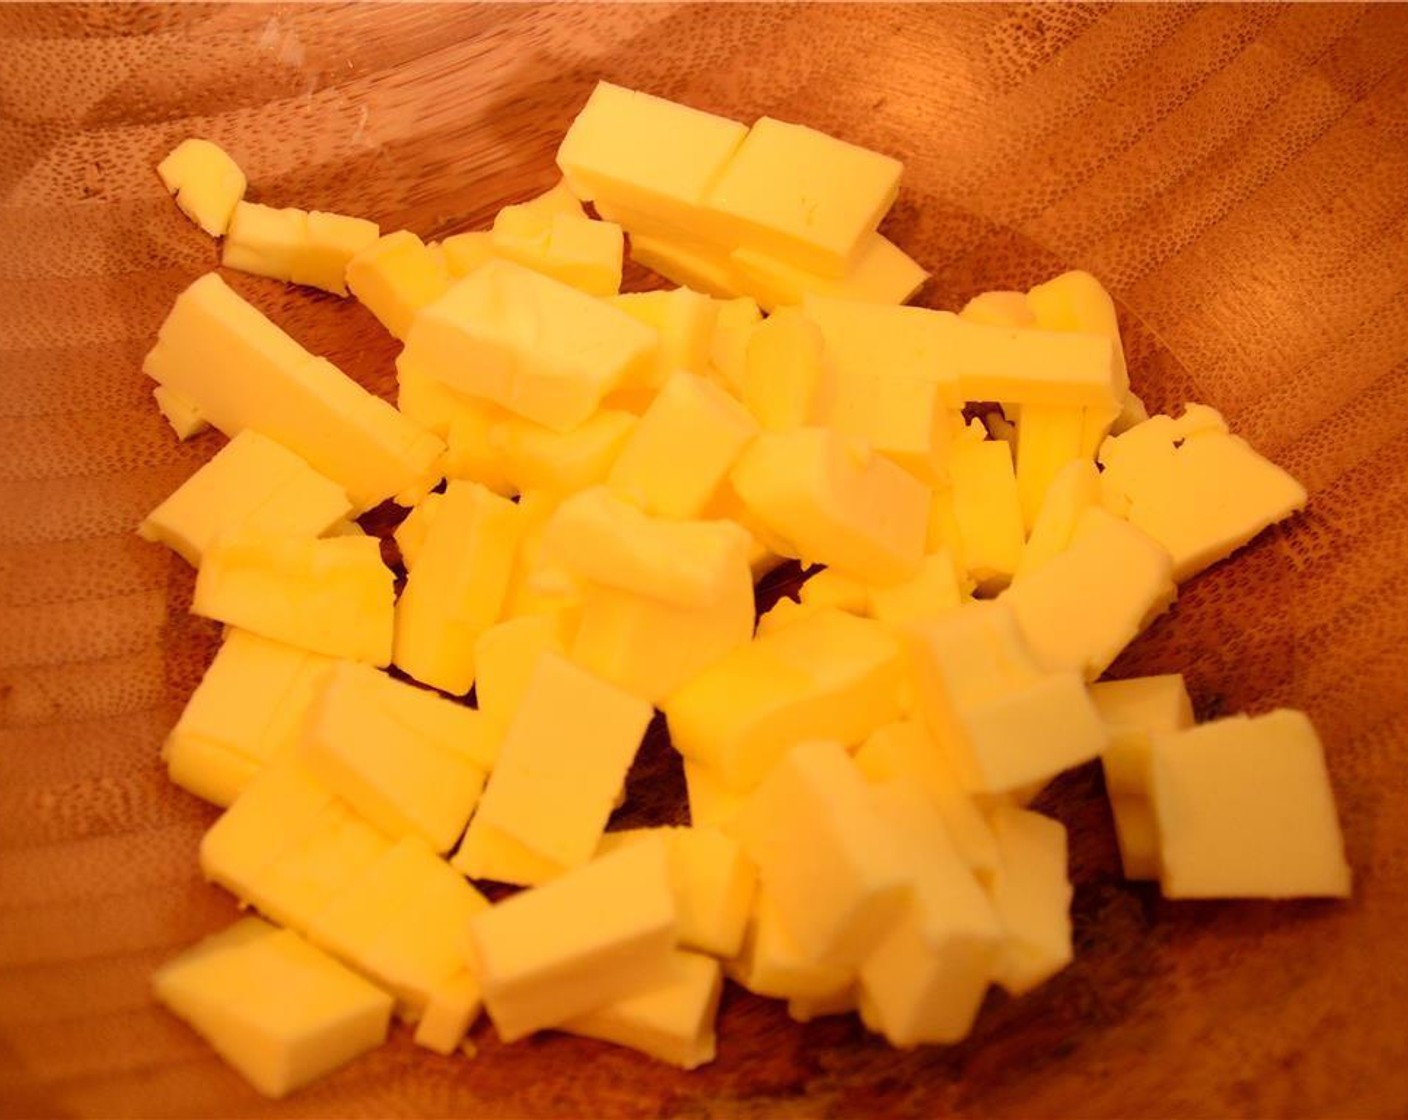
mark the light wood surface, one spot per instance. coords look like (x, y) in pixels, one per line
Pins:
(1237, 175)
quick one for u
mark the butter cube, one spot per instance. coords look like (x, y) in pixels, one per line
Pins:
(865, 341)
(490, 853)
(296, 245)
(673, 1020)
(831, 587)
(647, 154)
(835, 502)
(1198, 490)
(1082, 607)
(350, 923)
(464, 252)
(714, 884)
(564, 757)
(652, 648)
(1072, 491)
(252, 485)
(395, 276)
(505, 656)
(180, 412)
(552, 235)
(824, 854)
(456, 590)
(245, 712)
(684, 320)
(530, 456)
(597, 934)
(680, 260)
(1048, 438)
(733, 331)
(278, 1010)
(527, 342)
(403, 782)
(1245, 809)
(1032, 896)
(772, 964)
(712, 803)
(608, 540)
(783, 373)
(1030, 366)
(881, 272)
(906, 419)
(241, 371)
(449, 1013)
(207, 183)
(674, 460)
(332, 596)
(986, 508)
(1000, 309)
(934, 591)
(827, 674)
(297, 884)
(797, 193)
(925, 979)
(473, 433)
(415, 526)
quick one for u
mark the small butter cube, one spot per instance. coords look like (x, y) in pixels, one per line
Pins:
(1048, 438)
(828, 674)
(297, 884)
(332, 596)
(449, 1013)
(472, 430)
(673, 1020)
(836, 502)
(274, 1007)
(602, 932)
(714, 884)
(685, 321)
(395, 276)
(824, 854)
(1072, 491)
(925, 979)
(490, 853)
(563, 759)
(1032, 896)
(647, 154)
(505, 656)
(527, 342)
(674, 460)
(1245, 809)
(296, 245)
(253, 485)
(456, 590)
(411, 533)
(999, 309)
(180, 412)
(351, 922)
(1028, 366)
(464, 252)
(403, 782)
(906, 419)
(552, 235)
(333, 240)
(772, 964)
(797, 193)
(530, 456)
(1083, 606)
(986, 508)
(881, 272)
(682, 261)
(783, 375)
(831, 587)
(934, 591)
(712, 803)
(207, 183)
(728, 349)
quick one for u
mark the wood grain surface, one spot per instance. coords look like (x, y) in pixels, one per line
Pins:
(1237, 175)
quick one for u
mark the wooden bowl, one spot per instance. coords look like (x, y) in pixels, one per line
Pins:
(1236, 175)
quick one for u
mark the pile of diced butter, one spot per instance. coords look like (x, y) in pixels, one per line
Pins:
(619, 471)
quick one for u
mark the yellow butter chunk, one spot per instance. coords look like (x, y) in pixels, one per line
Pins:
(905, 419)
(880, 272)
(1198, 490)
(579, 251)
(464, 252)
(1072, 491)
(395, 276)
(331, 596)
(650, 647)
(692, 264)
(306, 247)
(1134, 709)
(1245, 809)
(603, 538)
(1000, 309)
(825, 675)
(541, 583)
(925, 979)
(563, 759)
(527, 342)
(1083, 606)
(712, 803)
(252, 485)
(675, 459)
(783, 376)
(799, 194)
(905, 752)
(474, 431)
(180, 412)
(529, 456)
(247, 710)
(241, 372)
(673, 1020)
(647, 154)
(835, 502)
(207, 183)
(866, 341)
(714, 884)
(1003, 722)
(449, 1013)
(487, 852)
(824, 854)
(456, 590)
(1031, 366)
(1048, 438)
(506, 654)
(602, 932)
(986, 509)
(1032, 896)
(405, 783)
(772, 964)
(831, 587)
(930, 593)
(274, 1007)
(410, 534)
(738, 319)
(685, 321)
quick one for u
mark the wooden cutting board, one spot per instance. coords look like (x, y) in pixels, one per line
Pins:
(1237, 175)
